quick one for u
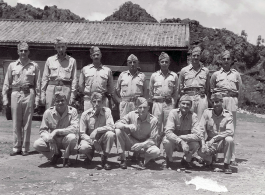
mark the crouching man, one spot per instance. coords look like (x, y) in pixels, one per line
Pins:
(97, 131)
(137, 131)
(217, 122)
(182, 133)
(58, 131)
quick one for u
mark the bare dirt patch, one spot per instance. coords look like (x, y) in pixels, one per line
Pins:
(33, 175)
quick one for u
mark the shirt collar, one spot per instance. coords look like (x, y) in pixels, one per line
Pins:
(129, 73)
(161, 73)
(101, 66)
(101, 112)
(148, 118)
(222, 114)
(66, 57)
(67, 110)
(19, 62)
(222, 70)
(201, 66)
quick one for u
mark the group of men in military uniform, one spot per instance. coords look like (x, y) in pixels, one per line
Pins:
(192, 127)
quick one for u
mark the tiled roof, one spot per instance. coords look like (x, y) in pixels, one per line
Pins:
(104, 34)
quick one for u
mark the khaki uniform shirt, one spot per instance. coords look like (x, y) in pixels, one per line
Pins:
(215, 126)
(164, 85)
(178, 124)
(18, 75)
(189, 78)
(129, 85)
(145, 130)
(96, 79)
(89, 122)
(226, 81)
(56, 69)
(66, 124)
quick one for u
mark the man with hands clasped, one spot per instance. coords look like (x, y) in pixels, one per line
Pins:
(97, 131)
(137, 131)
(58, 131)
(217, 122)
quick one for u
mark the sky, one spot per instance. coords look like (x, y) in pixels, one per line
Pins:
(234, 15)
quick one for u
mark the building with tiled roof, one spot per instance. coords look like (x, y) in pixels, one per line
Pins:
(117, 41)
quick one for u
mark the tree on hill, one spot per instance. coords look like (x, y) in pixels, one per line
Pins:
(131, 13)
(28, 12)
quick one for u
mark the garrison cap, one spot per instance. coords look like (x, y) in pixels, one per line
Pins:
(59, 40)
(163, 55)
(217, 96)
(225, 53)
(96, 95)
(94, 49)
(185, 97)
(59, 94)
(132, 57)
(23, 46)
(140, 101)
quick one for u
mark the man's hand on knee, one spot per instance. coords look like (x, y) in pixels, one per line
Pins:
(185, 147)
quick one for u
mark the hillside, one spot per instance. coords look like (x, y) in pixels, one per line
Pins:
(131, 13)
(28, 12)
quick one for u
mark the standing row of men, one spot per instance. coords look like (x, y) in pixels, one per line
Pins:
(165, 88)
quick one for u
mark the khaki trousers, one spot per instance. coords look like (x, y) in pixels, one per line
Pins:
(161, 111)
(199, 104)
(126, 107)
(52, 89)
(170, 147)
(66, 143)
(125, 142)
(106, 141)
(22, 106)
(225, 146)
(88, 105)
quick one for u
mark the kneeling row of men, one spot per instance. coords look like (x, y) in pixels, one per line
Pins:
(137, 131)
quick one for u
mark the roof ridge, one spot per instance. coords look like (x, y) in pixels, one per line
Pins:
(72, 21)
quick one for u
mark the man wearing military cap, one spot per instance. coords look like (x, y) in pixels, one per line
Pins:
(217, 123)
(182, 133)
(137, 131)
(163, 89)
(23, 78)
(130, 85)
(228, 82)
(194, 80)
(96, 77)
(59, 74)
(97, 131)
(58, 130)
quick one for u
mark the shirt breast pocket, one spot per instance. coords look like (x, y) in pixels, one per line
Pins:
(139, 86)
(89, 77)
(67, 73)
(124, 87)
(104, 79)
(202, 79)
(15, 74)
(53, 70)
(30, 76)
(188, 80)
(158, 88)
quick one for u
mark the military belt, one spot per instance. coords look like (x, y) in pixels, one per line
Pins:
(60, 82)
(194, 91)
(24, 88)
(229, 94)
(129, 99)
(162, 99)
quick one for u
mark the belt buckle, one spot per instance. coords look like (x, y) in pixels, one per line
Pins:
(59, 83)
(25, 89)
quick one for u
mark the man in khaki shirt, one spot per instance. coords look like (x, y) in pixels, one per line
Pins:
(182, 133)
(59, 74)
(137, 132)
(58, 130)
(23, 78)
(97, 131)
(130, 86)
(228, 82)
(163, 89)
(96, 78)
(217, 123)
(194, 80)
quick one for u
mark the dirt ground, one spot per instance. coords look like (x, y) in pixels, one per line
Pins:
(33, 175)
